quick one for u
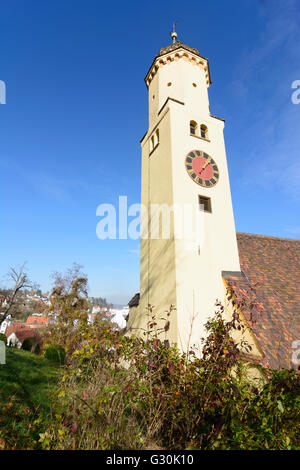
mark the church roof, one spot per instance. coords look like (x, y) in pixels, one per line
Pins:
(268, 292)
(134, 302)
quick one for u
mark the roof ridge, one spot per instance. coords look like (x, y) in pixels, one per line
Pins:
(177, 45)
(269, 237)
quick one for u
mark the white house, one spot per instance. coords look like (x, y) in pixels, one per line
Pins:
(5, 323)
(119, 316)
(14, 341)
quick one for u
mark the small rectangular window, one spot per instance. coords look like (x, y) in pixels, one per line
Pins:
(204, 204)
(152, 143)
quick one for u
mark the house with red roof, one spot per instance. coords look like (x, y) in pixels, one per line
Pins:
(14, 326)
(16, 338)
(37, 321)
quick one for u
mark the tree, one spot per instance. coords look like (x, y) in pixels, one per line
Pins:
(36, 289)
(69, 306)
(20, 282)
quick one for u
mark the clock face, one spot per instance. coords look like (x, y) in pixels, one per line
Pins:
(202, 168)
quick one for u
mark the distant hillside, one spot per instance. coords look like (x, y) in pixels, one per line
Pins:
(100, 301)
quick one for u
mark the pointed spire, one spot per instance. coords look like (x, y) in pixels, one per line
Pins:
(173, 33)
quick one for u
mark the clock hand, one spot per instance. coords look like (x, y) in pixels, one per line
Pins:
(205, 164)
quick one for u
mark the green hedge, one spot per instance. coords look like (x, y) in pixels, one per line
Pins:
(32, 345)
(3, 338)
(56, 354)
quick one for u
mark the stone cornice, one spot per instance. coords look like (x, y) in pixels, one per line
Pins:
(178, 52)
(169, 98)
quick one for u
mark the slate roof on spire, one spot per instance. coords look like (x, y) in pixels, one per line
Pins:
(176, 45)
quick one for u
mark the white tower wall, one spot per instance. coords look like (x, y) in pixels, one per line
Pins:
(184, 272)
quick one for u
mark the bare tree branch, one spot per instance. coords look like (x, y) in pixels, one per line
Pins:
(21, 281)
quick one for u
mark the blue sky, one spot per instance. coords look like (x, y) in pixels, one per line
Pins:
(77, 108)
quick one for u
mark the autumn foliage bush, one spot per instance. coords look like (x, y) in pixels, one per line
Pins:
(121, 392)
(69, 305)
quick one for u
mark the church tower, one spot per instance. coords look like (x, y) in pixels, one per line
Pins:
(184, 169)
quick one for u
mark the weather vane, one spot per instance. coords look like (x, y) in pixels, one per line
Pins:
(173, 33)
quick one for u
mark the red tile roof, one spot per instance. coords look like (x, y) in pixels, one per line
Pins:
(24, 333)
(12, 328)
(35, 320)
(268, 290)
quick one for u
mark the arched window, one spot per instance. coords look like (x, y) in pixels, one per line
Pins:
(193, 128)
(203, 131)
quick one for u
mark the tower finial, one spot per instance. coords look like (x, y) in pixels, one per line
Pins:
(173, 33)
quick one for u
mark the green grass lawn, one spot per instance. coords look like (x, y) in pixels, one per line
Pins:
(26, 383)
